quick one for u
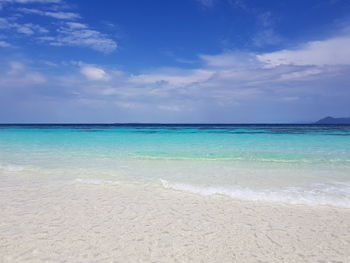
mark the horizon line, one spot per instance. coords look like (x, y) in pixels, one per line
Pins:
(155, 123)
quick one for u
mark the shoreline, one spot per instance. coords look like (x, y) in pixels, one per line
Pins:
(134, 223)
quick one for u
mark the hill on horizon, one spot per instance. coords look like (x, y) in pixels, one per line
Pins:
(332, 120)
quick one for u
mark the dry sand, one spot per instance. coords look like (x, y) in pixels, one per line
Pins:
(131, 223)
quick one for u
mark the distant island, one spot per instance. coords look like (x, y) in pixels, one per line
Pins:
(331, 120)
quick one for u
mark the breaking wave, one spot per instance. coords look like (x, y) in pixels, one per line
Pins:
(336, 194)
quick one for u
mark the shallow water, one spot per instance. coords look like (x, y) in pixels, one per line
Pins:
(298, 164)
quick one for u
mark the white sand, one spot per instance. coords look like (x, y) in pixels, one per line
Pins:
(130, 223)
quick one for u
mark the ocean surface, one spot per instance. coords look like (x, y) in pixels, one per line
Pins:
(293, 164)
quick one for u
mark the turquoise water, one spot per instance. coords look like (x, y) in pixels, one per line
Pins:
(296, 164)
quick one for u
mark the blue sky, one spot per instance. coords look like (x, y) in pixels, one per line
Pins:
(174, 61)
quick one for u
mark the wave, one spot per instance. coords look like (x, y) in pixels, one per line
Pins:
(247, 159)
(336, 194)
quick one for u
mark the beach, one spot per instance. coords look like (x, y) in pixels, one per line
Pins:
(209, 131)
(174, 193)
(136, 223)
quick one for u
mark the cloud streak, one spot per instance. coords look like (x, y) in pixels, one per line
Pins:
(333, 51)
(57, 14)
(67, 32)
(80, 35)
(26, 28)
(33, 1)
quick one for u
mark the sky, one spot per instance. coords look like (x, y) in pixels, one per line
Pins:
(166, 61)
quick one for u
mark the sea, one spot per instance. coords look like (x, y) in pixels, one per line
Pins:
(288, 164)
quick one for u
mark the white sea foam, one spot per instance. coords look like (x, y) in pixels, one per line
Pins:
(337, 194)
(11, 168)
(244, 159)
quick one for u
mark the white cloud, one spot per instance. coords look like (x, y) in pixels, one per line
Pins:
(75, 25)
(33, 1)
(301, 74)
(175, 92)
(265, 19)
(4, 23)
(19, 76)
(266, 37)
(15, 67)
(117, 73)
(231, 79)
(266, 34)
(63, 34)
(77, 34)
(26, 28)
(173, 77)
(94, 73)
(229, 59)
(176, 108)
(333, 51)
(30, 29)
(4, 44)
(293, 98)
(127, 105)
(35, 78)
(57, 14)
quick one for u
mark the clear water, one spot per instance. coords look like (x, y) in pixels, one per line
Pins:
(297, 164)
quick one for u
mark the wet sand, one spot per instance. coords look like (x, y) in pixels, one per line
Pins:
(134, 223)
